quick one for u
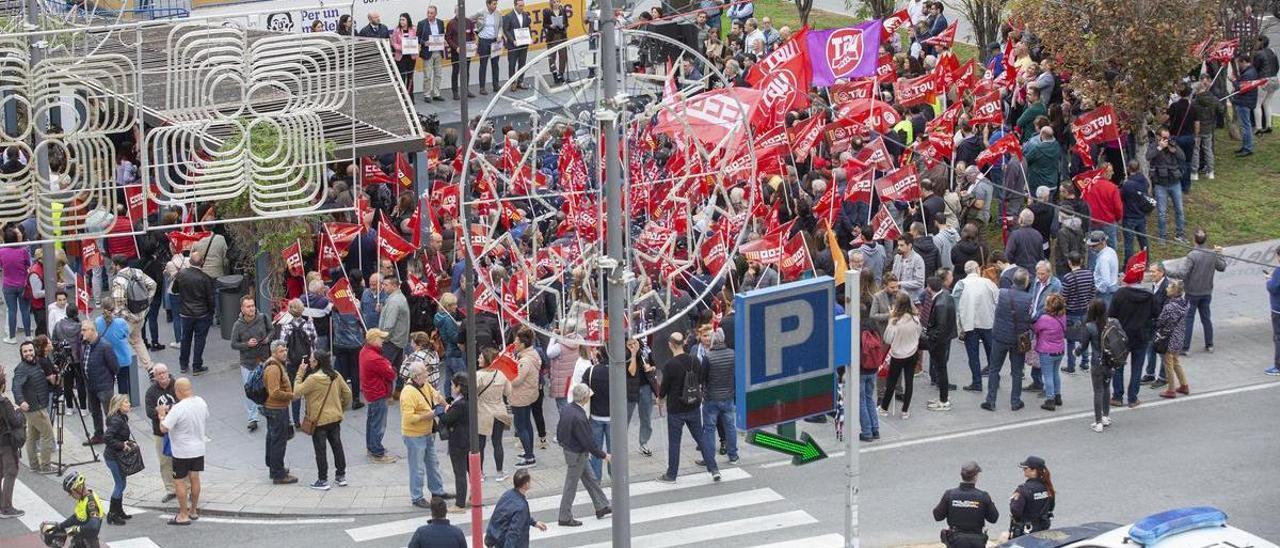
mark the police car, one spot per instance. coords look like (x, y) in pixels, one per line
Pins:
(1193, 527)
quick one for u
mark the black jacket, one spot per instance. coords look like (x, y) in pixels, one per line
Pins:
(511, 22)
(574, 432)
(30, 386)
(1133, 193)
(155, 397)
(965, 508)
(100, 367)
(641, 377)
(718, 373)
(1135, 307)
(597, 377)
(195, 292)
(1166, 164)
(673, 374)
(1032, 504)
(929, 253)
(965, 251)
(942, 322)
(115, 434)
(1025, 248)
(424, 32)
(455, 419)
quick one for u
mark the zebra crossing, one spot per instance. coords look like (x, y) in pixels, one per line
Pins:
(734, 512)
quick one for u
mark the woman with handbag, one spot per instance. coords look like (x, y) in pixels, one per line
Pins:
(902, 334)
(327, 396)
(120, 449)
(493, 416)
(1169, 338)
(1051, 332)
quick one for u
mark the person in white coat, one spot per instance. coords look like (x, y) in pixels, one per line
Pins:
(975, 298)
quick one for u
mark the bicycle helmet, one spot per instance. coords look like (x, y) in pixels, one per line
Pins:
(72, 482)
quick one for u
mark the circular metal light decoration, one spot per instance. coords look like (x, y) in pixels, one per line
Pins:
(537, 226)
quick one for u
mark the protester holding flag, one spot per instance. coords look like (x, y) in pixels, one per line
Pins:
(1244, 103)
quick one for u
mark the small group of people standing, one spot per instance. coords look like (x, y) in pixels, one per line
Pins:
(967, 509)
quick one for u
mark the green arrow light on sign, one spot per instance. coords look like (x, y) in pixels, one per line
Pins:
(802, 451)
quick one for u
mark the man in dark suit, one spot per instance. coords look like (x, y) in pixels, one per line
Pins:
(431, 41)
(1154, 372)
(517, 37)
(375, 28)
(937, 339)
(459, 78)
(574, 433)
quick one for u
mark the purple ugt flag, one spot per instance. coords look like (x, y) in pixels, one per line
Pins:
(848, 52)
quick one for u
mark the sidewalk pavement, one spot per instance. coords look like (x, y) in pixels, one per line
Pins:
(235, 480)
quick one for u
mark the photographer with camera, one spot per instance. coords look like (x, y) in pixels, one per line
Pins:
(1166, 159)
(68, 356)
(31, 386)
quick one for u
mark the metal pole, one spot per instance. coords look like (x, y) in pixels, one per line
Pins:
(468, 288)
(35, 52)
(607, 114)
(852, 402)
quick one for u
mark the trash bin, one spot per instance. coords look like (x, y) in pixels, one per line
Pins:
(230, 288)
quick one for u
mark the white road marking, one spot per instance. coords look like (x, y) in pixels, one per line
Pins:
(715, 531)
(141, 542)
(407, 526)
(659, 512)
(833, 540)
(37, 510)
(253, 521)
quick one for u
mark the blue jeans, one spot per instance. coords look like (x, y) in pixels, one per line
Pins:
(692, 420)
(1245, 116)
(1137, 355)
(152, 324)
(723, 411)
(1153, 367)
(1275, 336)
(600, 431)
(1165, 194)
(422, 454)
(1049, 374)
(194, 334)
(451, 365)
(1017, 361)
(118, 476)
(375, 424)
(1187, 143)
(1136, 232)
(1199, 303)
(1071, 346)
(867, 418)
(645, 403)
(277, 441)
(524, 428)
(561, 402)
(14, 302)
(971, 341)
(250, 408)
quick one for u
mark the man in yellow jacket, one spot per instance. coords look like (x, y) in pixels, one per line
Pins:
(419, 405)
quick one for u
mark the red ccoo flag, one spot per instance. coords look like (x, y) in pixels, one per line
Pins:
(82, 296)
(795, 257)
(371, 173)
(903, 184)
(883, 227)
(343, 300)
(90, 255)
(390, 244)
(293, 259)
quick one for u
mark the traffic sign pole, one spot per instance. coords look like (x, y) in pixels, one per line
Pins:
(852, 403)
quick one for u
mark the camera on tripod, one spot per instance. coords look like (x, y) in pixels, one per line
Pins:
(63, 357)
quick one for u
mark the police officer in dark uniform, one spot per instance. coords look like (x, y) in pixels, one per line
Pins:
(965, 507)
(1031, 506)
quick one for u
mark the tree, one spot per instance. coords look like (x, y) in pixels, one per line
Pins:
(986, 16)
(1127, 54)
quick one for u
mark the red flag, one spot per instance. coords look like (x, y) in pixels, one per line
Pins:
(803, 136)
(597, 330)
(404, 171)
(1245, 86)
(1085, 180)
(293, 259)
(183, 241)
(945, 123)
(859, 185)
(826, 204)
(1135, 268)
(714, 252)
(415, 224)
(795, 257)
(945, 38)
(883, 227)
(390, 244)
(82, 296)
(785, 88)
(964, 77)
(766, 250)
(785, 54)
(1005, 145)
(371, 172)
(90, 255)
(424, 288)
(1098, 126)
(1081, 149)
(445, 199)
(840, 134)
(892, 22)
(987, 109)
(934, 148)
(342, 234)
(343, 300)
(876, 155)
(916, 91)
(1198, 49)
(506, 364)
(877, 115)
(714, 117)
(903, 184)
(133, 196)
(1224, 51)
(844, 92)
(885, 71)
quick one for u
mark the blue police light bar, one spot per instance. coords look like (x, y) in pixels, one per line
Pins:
(1154, 528)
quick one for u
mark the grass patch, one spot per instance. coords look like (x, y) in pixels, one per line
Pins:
(784, 14)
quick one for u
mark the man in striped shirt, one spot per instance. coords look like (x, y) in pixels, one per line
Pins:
(1079, 291)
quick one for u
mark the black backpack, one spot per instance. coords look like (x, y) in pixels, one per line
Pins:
(1115, 344)
(299, 345)
(255, 389)
(692, 392)
(137, 298)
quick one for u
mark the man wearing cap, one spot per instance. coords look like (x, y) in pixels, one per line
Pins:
(376, 378)
(1135, 307)
(1031, 506)
(276, 411)
(1106, 267)
(965, 508)
(574, 433)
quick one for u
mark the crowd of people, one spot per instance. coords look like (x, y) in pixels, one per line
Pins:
(1006, 247)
